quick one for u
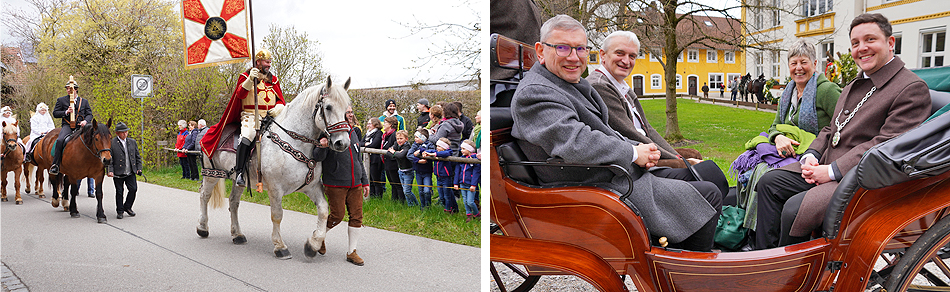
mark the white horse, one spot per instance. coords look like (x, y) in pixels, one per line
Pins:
(285, 150)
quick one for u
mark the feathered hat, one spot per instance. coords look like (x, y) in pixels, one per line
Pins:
(72, 83)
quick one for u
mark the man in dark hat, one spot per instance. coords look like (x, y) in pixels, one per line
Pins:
(391, 111)
(423, 120)
(64, 110)
(126, 163)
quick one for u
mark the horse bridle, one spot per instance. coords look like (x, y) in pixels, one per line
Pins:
(6, 146)
(98, 154)
(329, 129)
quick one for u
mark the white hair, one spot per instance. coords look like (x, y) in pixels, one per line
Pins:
(202, 122)
(561, 22)
(182, 123)
(625, 36)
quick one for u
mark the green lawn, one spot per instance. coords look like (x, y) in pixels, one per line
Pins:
(379, 213)
(721, 130)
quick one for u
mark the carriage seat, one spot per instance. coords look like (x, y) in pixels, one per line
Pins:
(918, 153)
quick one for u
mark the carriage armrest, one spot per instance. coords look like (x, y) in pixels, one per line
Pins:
(515, 165)
(511, 54)
(921, 152)
(938, 100)
(559, 256)
(500, 118)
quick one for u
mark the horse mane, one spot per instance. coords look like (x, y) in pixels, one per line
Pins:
(9, 129)
(88, 131)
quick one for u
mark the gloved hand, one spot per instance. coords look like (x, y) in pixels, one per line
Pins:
(249, 82)
(276, 110)
(256, 73)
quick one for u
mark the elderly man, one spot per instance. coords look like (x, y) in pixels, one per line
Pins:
(626, 116)
(126, 163)
(884, 101)
(257, 83)
(557, 114)
(64, 110)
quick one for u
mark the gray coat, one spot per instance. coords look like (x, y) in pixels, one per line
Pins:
(900, 103)
(554, 118)
(621, 119)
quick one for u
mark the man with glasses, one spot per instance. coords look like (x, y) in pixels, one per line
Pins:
(557, 114)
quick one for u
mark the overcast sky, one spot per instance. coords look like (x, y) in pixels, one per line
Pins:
(358, 39)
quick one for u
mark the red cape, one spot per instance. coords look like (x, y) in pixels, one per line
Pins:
(209, 143)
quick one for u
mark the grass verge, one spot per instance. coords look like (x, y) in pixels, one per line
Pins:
(379, 213)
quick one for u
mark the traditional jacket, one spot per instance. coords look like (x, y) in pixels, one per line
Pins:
(83, 111)
(900, 103)
(621, 118)
(557, 119)
(268, 94)
(125, 160)
(342, 169)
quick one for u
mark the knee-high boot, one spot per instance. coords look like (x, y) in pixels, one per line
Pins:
(240, 165)
(57, 158)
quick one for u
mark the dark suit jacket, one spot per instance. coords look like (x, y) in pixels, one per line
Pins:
(83, 111)
(557, 119)
(900, 103)
(621, 119)
(120, 155)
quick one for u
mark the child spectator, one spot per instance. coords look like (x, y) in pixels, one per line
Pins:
(422, 166)
(389, 162)
(444, 170)
(466, 179)
(399, 153)
(450, 127)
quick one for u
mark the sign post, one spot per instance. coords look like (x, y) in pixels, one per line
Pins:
(142, 88)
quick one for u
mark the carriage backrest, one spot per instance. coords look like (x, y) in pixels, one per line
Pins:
(512, 54)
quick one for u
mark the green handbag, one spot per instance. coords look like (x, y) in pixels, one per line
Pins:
(729, 232)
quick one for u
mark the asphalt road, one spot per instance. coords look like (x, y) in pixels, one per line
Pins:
(158, 250)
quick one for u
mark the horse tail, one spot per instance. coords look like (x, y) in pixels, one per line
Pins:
(217, 195)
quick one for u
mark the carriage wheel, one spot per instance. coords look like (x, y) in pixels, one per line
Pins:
(921, 268)
(520, 280)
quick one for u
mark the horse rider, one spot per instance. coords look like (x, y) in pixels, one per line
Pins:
(64, 110)
(255, 83)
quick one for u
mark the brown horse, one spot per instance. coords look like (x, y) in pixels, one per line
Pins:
(12, 161)
(28, 169)
(86, 154)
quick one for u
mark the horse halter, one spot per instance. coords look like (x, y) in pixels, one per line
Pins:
(329, 129)
(99, 153)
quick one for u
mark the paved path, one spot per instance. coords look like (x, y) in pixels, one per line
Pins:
(158, 250)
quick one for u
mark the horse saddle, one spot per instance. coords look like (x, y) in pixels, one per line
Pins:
(232, 136)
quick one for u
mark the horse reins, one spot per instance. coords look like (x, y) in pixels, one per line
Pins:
(329, 129)
(98, 154)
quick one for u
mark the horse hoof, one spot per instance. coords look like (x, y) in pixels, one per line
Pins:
(41, 196)
(240, 239)
(74, 215)
(55, 203)
(3, 199)
(283, 254)
(203, 233)
(19, 202)
(308, 250)
(101, 220)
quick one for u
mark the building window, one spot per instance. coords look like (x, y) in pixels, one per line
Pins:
(641, 55)
(655, 81)
(653, 58)
(692, 56)
(715, 80)
(730, 77)
(825, 50)
(776, 13)
(679, 81)
(679, 57)
(932, 48)
(897, 44)
(711, 56)
(776, 63)
(816, 7)
(759, 63)
(730, 57)
(757, 18)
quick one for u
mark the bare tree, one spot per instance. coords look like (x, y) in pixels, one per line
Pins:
(460, 46)
(297, 60)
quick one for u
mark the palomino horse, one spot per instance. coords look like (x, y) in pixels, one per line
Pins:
(286, 167)
(86, 154)
(12, 160)
(30, 168)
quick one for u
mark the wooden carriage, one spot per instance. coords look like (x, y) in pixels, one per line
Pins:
(589, 232)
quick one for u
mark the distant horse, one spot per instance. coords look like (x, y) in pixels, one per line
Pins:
(286, 146)
(30, 168)
(757, 87)
(86, 154)
(744, 87)
(12, 160)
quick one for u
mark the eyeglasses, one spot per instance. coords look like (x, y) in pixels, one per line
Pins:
(565, 50)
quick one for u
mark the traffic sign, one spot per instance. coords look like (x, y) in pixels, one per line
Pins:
(141, 85)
